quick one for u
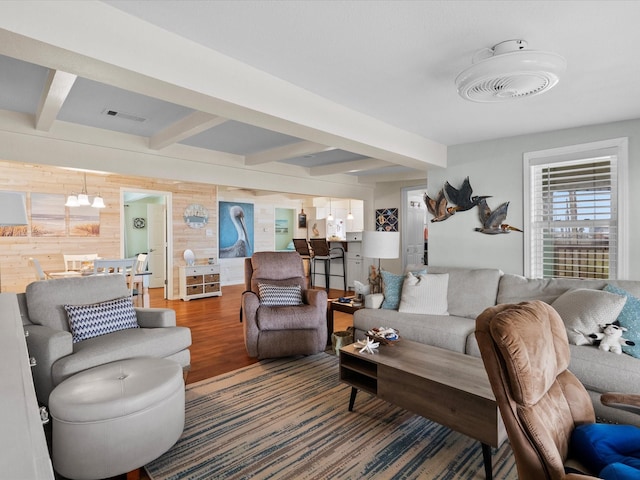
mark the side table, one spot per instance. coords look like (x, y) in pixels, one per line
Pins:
(335, 306)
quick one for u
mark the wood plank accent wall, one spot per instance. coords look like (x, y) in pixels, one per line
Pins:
(15, 271)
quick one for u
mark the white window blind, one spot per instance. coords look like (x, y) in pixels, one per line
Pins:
(574, 218)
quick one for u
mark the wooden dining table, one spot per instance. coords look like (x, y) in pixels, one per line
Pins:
(140, 282)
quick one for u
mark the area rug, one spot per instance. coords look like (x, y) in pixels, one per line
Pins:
(289, 419)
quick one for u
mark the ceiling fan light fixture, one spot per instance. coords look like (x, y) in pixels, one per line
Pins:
(510, 72)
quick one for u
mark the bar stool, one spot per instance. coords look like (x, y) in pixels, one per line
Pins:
(302, 247)
(322, 252)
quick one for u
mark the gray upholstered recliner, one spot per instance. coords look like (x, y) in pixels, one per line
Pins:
(277, 330)
(50, 339)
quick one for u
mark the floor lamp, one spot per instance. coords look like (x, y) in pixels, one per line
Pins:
(380, 245)
(13, 212)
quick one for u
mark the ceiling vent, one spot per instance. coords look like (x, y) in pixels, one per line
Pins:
(508, 71)
(126, 116)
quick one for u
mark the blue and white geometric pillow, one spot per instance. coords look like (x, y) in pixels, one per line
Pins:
(88, 321)
(277, 296)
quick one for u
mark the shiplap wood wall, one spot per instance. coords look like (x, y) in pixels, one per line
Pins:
(15, 271)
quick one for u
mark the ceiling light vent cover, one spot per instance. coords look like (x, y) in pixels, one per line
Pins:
(510, 72)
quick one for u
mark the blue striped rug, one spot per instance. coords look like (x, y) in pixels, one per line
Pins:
(289, 419)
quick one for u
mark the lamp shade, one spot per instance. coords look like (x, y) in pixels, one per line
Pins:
(12, 209)
(380, 244)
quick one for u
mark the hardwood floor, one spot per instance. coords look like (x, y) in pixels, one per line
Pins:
(216, 331)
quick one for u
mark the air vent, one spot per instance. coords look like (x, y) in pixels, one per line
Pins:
(124, 115)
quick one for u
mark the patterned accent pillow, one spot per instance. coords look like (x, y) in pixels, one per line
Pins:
(392, 288)
(278, 296)
(88, 321)
(583, 309)
(629, 318)
(425, 294)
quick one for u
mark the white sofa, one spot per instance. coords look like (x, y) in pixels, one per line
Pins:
(470, 291)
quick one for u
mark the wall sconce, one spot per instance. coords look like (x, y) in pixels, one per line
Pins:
(82, 199)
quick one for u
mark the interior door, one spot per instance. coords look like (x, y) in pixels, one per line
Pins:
(157, 239)
(413, 233)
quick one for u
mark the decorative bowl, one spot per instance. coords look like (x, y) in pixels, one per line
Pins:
(386, 336)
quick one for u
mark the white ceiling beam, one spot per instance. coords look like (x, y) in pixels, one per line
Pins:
(352, 166)
(55, 92)
(191, 125)
(392, 177)
(285, 152)
(93, 40)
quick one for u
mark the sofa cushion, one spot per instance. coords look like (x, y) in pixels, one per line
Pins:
(136, 342)
(516, 288)
(425, 294)
(46, 300)
(392, 289)
(442, 331)
(629, 318)
(582, 310)
(470, 290)
(95, 319)
(276, 295)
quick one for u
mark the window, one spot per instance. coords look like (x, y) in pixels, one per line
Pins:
(574, 206)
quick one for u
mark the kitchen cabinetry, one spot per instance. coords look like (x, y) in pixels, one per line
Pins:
(199, 281)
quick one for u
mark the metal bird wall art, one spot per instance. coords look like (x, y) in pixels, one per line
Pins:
(492, 221)
(438, 207)
(462, 198)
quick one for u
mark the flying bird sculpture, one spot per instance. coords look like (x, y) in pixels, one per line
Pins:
(242, 247)
(461, 197)
(492, 221)
(438, 207)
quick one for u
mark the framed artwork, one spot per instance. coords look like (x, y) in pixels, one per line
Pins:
(282, 226)
(235, 223)
(48, 215)
(387, 220)
(302, 220)
(196, 216)
(84, 221)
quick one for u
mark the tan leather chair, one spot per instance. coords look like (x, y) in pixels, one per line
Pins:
(526, 354)
(281, 330)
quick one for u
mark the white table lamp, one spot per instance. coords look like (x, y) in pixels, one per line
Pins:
(12, 212)
(380, 245)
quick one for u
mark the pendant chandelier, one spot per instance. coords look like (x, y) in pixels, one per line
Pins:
(330, 217)
(82, 198)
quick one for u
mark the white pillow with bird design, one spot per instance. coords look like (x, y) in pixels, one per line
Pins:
(425, 293)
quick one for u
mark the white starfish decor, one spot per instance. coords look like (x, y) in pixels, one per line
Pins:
(368, 345)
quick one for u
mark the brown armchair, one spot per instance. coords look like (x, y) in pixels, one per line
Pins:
(526, 354)
(281, 330)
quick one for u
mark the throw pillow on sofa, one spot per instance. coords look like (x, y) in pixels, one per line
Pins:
(629, 318)
(426, 294)
(582, 310)
(392, 288)
(279, 296)
(93, 320)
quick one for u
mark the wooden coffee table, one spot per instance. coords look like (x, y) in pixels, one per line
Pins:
(447, 387)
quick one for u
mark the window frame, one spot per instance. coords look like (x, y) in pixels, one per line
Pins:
(586, 151)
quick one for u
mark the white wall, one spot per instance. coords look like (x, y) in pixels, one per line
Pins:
(496, 168)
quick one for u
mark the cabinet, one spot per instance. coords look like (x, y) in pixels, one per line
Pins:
(355, 262)
(199, 281)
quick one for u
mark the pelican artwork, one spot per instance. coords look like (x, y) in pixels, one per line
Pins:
(492, 220)
(242, 246)
(462, 198)
(438, 207)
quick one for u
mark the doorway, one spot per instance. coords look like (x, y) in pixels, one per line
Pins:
(145, 229)
(414, 226)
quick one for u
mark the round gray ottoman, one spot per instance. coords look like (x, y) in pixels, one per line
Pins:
(117, 417)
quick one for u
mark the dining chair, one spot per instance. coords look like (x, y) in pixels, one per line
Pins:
(140, 266)
(74, 262)
(117, 266)
(37, 268)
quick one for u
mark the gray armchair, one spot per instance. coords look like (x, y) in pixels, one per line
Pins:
(281, 330)
(50, 340)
